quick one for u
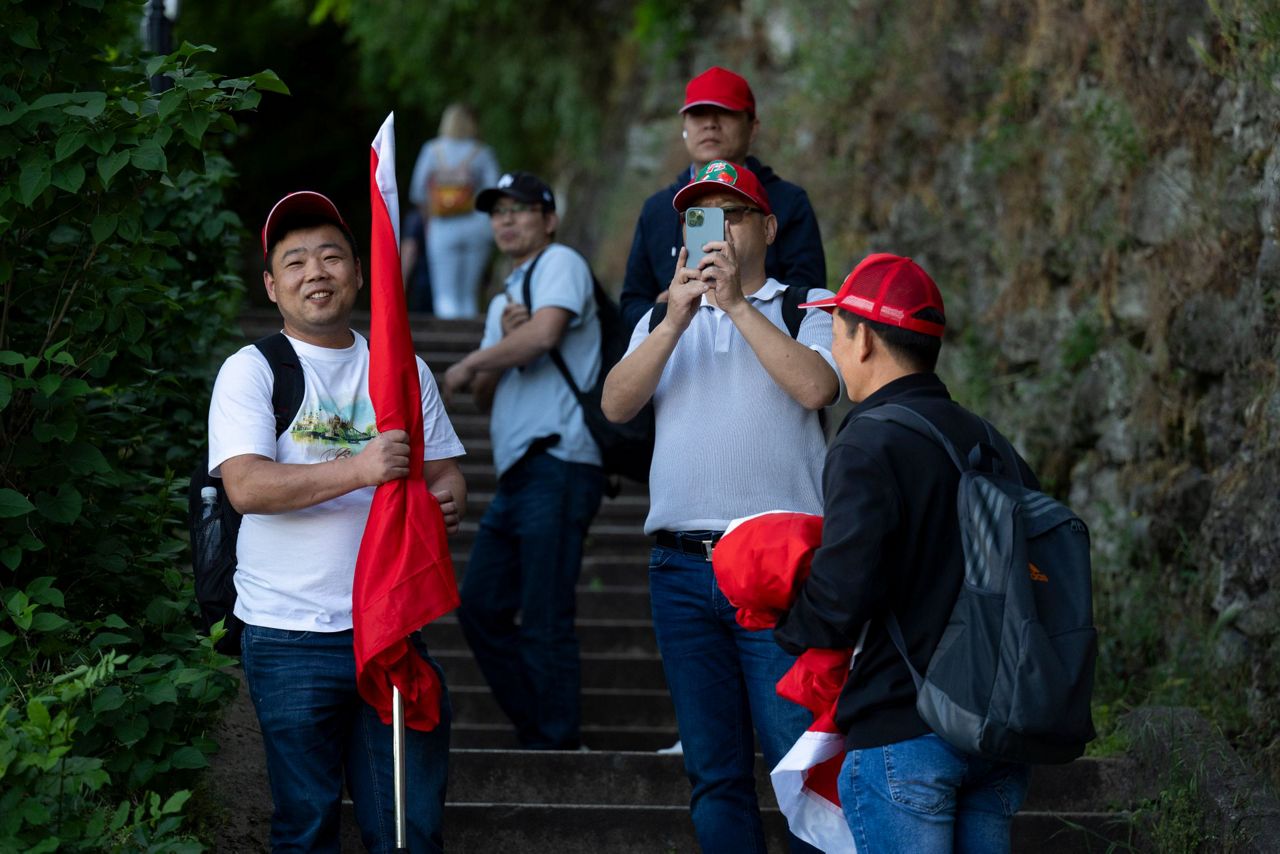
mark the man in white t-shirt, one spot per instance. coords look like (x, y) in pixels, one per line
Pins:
(305, 497)
(735, 405)
(528, 553)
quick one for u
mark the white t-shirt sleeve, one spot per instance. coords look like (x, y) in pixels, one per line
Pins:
(241, 420)
(440, 441)
(493, 321)
(815, 329)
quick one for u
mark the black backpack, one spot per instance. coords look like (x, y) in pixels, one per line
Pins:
(214, 527)
(1012, 676)
(625, 449)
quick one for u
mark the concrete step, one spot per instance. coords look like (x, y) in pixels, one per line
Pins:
(616, 829)
(647, 778)
(599, 670)
(595, 635)
(596, 736)
(630, 509)
(606, 537)
(628, 707)
(617, 570)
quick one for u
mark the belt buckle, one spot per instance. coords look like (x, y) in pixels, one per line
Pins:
(707, 546)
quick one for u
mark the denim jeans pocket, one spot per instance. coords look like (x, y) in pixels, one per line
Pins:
(923, 774)
(660, 558)
(265, 633)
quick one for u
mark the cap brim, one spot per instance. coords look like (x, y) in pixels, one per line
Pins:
(707, 102)
(304, 202)
(828, 304)
(689, 193)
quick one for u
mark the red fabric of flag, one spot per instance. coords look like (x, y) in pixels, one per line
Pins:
(404, 574)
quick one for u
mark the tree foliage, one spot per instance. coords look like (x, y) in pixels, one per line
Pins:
(114, 256)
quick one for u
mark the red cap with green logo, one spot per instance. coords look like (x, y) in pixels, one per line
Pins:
(718, 176)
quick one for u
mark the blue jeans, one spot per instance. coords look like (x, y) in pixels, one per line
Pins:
(721, 679)
(317, 731)
(526, 559)
(925, 797)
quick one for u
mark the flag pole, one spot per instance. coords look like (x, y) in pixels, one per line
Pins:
(397, 749)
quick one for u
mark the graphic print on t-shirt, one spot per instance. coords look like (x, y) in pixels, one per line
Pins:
(334, 427)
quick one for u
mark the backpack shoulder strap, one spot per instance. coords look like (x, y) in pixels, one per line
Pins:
(655, 316)
(792, 313)
(526, 288)
(896, 413)
(287, 385)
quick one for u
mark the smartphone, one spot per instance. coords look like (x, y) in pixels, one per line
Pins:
(701, 226)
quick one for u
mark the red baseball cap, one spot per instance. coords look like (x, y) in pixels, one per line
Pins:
(888, 289)
(720, 87)
(304, 202)
(722, 175)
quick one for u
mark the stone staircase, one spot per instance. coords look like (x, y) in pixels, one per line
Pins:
(619, 796)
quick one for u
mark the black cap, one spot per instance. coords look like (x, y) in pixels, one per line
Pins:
(521, 186)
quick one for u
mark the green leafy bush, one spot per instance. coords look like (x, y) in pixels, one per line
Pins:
(115, 252)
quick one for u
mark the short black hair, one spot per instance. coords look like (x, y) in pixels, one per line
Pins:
(916, 350)
(298, 222)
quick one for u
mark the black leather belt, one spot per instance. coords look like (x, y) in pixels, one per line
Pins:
(698, 543)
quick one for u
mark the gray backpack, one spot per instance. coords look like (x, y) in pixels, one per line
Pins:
(1012, 676)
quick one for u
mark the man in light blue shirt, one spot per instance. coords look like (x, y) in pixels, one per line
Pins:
(528, 552)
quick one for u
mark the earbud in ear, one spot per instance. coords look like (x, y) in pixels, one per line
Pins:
(684, 134)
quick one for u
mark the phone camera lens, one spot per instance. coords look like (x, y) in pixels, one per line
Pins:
(694, 217)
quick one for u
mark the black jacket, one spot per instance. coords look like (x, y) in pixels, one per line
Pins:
(795, 258)
(890, 541)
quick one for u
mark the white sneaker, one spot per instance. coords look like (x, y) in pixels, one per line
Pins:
(674, 750)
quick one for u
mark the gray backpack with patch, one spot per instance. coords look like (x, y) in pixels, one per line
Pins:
(1012, 676)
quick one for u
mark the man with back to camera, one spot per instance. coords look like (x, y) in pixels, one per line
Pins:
(528, 553)
(891, 543)
(735, 403)
(305, 497)
(720, 123)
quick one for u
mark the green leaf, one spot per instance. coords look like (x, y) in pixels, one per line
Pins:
(6, 392)
(130, 106)
(161, 692)
(188, 757)
(108, 700)
(9, 357)
(83, 458)
(194, 124)
(23, 33)
(34, 179)
(122, 815)
(9, 115)
(114, 621)
(42, 590)
(179, 799)
(69, 177)
(47, 621)
(94, 104)
(68, 144)
(110, 164)
(63, 507)
(11, 557)
(104, 225)
(154, 64)
(169, 102)
(101, 141)
(149, 157)
(38, 714)
(130, 730)
(13, 503)
(108, 639)
(269, 81)
(48, 384)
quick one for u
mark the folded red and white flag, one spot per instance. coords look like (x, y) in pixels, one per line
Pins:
(404, 574)
(760, 564)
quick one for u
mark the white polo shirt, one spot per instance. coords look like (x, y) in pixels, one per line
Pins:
(730, 442)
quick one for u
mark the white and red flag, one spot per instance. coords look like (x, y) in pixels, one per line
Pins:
(760, 564)
(404, 574)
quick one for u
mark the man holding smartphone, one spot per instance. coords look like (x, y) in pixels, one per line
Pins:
(735, 400)
(720, 123)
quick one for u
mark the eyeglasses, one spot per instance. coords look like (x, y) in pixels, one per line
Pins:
(734, 214)
(517, 208)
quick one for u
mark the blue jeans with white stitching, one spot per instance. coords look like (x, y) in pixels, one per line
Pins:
(925, 797)
(318, 732)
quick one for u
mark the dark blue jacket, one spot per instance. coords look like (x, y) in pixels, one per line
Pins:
(795, 258)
